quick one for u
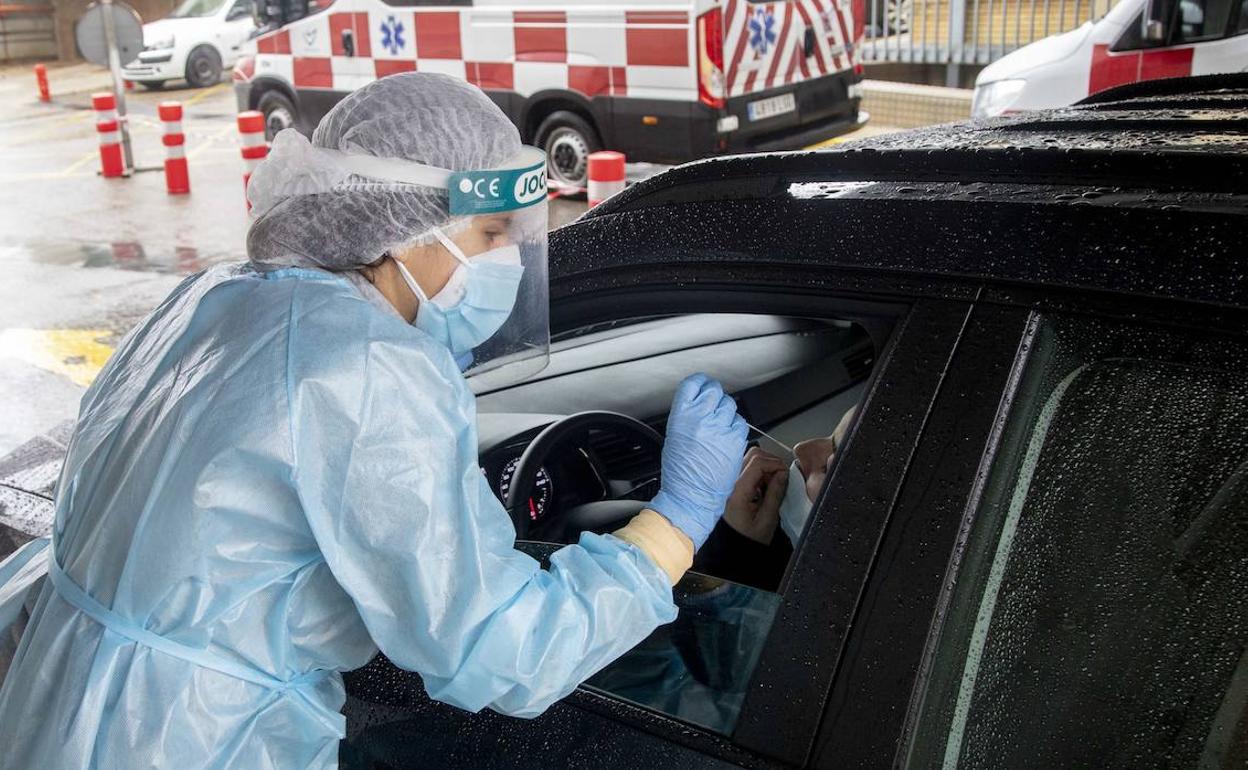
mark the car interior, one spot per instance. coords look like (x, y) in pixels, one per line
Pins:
(577, 448)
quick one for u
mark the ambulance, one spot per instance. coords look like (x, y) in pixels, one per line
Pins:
(659, 80)
(1137, 40)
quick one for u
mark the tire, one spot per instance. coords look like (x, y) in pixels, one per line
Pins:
(279, 113)
(568, 139)
(203, 67)
(153, 85)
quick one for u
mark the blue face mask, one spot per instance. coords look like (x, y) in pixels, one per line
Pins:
(476, 301)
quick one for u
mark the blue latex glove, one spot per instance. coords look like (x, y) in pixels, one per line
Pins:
(702, 457)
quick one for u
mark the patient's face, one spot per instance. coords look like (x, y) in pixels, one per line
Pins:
(813, 458)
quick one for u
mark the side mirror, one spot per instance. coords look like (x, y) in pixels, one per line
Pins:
(1156, 21)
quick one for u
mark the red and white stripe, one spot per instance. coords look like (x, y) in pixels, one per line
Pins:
(595, 51)
(177, 175)
(109, 129)
(785, 62)
(606, 175)
(254, 149)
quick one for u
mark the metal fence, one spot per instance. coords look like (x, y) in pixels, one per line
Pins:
(955, 32)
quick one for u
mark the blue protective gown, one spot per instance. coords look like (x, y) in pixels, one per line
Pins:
(276, 474)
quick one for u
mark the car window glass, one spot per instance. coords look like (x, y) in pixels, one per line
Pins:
(197, 8)
(1099, 618)
(1132, 37)
(1200, 20)
(697, 667)
(1242, 25)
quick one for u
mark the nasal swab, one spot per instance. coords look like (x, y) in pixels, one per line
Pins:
(771, 438)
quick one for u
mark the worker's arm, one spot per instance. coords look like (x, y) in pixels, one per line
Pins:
(385, 464)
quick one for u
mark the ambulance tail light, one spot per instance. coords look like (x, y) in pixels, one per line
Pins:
(711, 58)
(244, 70)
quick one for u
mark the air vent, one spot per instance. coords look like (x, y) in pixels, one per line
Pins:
(859, 363)
(623, 458)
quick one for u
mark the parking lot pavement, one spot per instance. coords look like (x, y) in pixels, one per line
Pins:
(86, 257)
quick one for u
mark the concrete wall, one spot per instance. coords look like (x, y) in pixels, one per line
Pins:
(68, 11)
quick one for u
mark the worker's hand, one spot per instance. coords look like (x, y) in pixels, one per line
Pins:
(753, 508)
(702, 457)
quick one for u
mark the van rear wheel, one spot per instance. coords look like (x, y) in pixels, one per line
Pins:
(279, 113)
(568, 139)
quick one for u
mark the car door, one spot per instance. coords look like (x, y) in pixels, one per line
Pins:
(1077, 599)
(804, 624)
(1205, 38)
(235, 30)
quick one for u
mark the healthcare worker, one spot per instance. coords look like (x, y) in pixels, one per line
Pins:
(276, 473)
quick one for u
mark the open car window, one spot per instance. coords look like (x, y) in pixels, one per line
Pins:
(793, 379)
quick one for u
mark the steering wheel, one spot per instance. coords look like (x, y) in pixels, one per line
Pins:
(602, 515)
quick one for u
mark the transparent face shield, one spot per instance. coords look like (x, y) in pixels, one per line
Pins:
(485, 292)
(493, 311)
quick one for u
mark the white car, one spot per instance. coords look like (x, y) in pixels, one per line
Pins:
(196, 42)
(1205, 37)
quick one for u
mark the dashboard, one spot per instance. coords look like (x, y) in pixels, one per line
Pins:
(603, 465)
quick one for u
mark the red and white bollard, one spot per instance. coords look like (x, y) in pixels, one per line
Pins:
(251, 127)
(606, 175)
(41, 79)
(109, 129)
(177, 176)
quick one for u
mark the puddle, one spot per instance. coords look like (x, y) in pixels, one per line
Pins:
(121, 255)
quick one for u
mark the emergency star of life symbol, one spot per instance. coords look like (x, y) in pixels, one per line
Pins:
(762, 31)
(392, 35)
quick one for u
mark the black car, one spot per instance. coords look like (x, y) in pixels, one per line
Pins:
(1031, 550)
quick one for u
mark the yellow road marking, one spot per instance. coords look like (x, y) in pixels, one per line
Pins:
(835, 141)
(76, 354)
(204, 94)
(84, 160)
(207, 143)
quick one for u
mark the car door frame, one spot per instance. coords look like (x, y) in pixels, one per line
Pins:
(868, 706)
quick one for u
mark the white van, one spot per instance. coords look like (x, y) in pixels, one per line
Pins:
(663, 81)
(196, 42)
(1203, 37)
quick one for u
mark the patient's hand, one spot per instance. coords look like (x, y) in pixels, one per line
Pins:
(753, 508)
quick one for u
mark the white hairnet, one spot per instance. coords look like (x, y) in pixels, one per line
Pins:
(310, 212)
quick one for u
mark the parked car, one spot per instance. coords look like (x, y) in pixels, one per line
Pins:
(1031, 550)
(1187, 37)
(664, 81)
(195, 43)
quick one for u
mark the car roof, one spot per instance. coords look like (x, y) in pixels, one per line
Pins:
(1141, 190)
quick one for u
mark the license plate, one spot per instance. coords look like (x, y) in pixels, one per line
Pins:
(769, 108)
